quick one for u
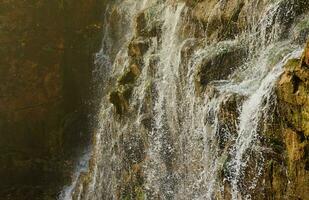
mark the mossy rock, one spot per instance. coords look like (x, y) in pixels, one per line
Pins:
(228, 119)
(148, 23)
(138, 47)
(220, 62)
(120, 98)
(301, 30)
(130, 75)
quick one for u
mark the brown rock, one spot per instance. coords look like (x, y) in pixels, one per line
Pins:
(306, 55)
(293, 93)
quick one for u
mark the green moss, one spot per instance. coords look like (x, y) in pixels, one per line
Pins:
(292, 64)
(140, 194)
(137, 194)
(277, 54)
(303, 24)
(269, 164)
(277, 145)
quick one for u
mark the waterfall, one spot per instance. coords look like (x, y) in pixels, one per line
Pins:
(174, 142)
(251, 113)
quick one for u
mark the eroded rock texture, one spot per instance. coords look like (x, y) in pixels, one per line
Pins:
(284, 138)
(293, 101)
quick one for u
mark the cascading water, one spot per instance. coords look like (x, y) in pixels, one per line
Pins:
(175, 144)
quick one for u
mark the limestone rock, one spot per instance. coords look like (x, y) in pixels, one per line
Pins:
(293, 93)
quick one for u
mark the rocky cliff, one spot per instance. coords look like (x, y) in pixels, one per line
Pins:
(208, 102)
(292, 137)
(199, 99)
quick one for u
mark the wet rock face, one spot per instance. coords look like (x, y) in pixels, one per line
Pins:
(121, 94)
(293, 92)
(148, 22)
(213, 67)
(46, 61)
(228, 119)
(293, 107)
(227, 19)
(306, 57)
(285, 143)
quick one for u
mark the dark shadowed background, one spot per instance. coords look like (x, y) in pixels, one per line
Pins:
(46, 59)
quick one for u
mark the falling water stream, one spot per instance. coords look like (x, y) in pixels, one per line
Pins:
(182, 157)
